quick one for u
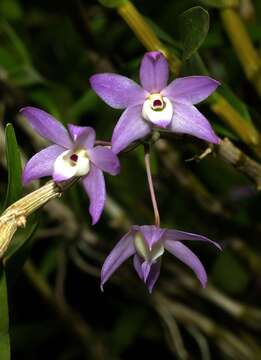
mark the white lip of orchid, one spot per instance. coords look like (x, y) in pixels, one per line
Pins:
(157, 109)
(144, 251)
(74, 162)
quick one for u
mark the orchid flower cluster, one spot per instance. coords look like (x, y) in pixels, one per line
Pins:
(76, 154)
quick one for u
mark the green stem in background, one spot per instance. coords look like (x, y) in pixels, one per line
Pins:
(150, 183)
(243, 46)
(219, 105)
(146, 35)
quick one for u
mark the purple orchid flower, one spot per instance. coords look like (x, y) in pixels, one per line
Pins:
(147, 243)
(72, 155)
(155, 103)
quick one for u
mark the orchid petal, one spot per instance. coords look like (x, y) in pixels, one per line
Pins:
(129, 128)
(63, 168)
(41, 164)
(152, 276)
(117, 91)
(152, 234)
(95, 187)
(174, 235)
(190, 89)
(83, 136)
(121, 252)
(154, 72)
(188, 120)
(47, 126)
(105, 159)
(184, 254)
(137, 261)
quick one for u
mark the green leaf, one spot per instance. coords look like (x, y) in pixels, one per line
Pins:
(14, 166)
(220, 3)
(5, 353)
(193, 26)
(112, 3)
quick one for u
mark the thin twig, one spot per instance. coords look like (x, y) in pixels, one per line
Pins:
(150, 183)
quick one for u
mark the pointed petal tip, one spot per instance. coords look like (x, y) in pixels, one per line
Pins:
(204, 283)
(25, 180)
(216, 140)
(101, 287)
(154, 54)
(94, 221)
(25, 108)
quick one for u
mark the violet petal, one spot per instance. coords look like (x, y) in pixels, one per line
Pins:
(83, 136)
(174, 235)
(188, 120)
(152, 234)
(117, 91)
(184, 254)
(105, 159)
(121, 252)
(190, 89)
(153, 274)
(41, 164)
(154, 72)
(95, 187)
(129, 128)
(47, 126)
(137, 261)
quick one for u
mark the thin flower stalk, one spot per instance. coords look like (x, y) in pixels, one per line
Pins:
(151, 186)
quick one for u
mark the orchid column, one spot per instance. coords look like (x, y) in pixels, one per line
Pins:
(154, 105)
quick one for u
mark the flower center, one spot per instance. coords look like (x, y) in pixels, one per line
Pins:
(143, 249)
(157, 104)
(72, 163)
(74, 157)
(158, 110)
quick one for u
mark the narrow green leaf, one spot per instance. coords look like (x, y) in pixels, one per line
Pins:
(193, 26)
(14, 166)
(112, 3)
(4, 319)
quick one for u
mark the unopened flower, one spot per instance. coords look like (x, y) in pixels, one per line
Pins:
(147, 244)
(72, 155)
(155, 103)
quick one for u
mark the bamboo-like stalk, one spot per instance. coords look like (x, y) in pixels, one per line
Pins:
(243, 46)
(16, 215)
(146, 35)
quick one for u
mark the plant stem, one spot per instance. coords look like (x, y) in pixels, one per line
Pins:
(150, 183)
(243, 46)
